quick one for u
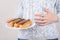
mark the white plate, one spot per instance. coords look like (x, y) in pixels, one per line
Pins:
(8, 26)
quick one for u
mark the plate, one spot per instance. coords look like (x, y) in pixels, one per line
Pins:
(8, 26)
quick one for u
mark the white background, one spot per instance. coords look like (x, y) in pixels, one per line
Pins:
(8, 9)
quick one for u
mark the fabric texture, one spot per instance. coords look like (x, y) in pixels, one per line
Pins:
(27, 9)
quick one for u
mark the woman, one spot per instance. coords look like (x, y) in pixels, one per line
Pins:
(45, 13)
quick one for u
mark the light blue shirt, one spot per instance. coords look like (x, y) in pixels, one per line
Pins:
(27, 9)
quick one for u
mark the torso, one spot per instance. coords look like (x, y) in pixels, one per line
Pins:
(36, 6)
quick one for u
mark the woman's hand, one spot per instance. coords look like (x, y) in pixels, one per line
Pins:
(45, 19)
(9, 20)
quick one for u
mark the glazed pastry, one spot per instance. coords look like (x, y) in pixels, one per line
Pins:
(14, 21)
(25, 24)
(20, 23)
(17, 23)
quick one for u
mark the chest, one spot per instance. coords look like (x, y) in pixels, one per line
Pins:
(36, 6)
(30, 3)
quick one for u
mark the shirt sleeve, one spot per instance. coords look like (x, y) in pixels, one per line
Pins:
(58, 8)
(19, 10)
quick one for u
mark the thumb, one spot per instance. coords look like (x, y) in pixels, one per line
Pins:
(47, 10)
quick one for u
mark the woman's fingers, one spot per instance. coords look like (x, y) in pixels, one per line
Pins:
(10, 20)
(42, 24)
(39, 19)
(39, 15)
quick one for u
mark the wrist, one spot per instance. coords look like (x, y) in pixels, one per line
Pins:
(56, 18)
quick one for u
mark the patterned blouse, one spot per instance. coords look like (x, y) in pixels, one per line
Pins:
(27, 9)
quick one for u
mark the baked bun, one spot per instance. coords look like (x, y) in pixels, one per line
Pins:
(14, 21)
(20, 23)
(25, 23)
(17, 23)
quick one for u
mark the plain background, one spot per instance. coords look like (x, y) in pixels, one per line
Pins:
(8, 9)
